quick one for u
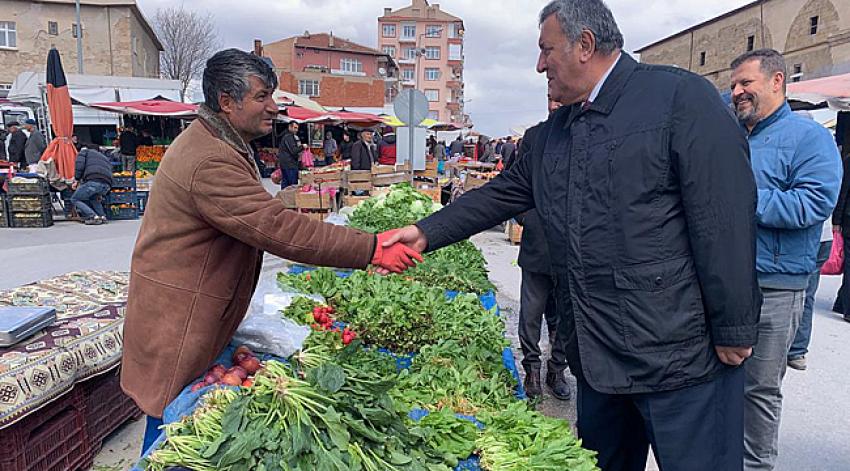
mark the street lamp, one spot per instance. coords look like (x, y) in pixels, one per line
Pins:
(79, 40)
(420, 51)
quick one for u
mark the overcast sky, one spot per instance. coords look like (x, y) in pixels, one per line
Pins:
(502, 87)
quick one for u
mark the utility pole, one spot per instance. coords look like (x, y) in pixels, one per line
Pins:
(79, 41)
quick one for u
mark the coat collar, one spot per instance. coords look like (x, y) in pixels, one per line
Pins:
(614, 84)
(223, 130)
(782, 112)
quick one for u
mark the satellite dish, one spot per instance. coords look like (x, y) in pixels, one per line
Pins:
(382, 71)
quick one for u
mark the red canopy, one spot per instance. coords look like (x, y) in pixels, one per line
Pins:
(365, 119)
(834, 91)
(60, 149)
(150, 108)
(305, 115)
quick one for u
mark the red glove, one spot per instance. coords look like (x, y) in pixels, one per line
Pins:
(395, 258)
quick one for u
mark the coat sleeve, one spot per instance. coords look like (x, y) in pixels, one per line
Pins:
(711, 156)
(839, 211)
(815, 181)
(244, 210)
(80, 166)
(504, 197)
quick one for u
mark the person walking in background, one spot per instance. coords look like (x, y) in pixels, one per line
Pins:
(346, 146)
(537, 297)
(797, 171)
(93, 180)
(841, 224)
(329, 147)
(129, 144)
(456, 147)
(440, 150)
(36, 144)
(362, 155)
(17, 145)
(499, 144)
(289, 155)
(387, 149)
(508, 151)
(432, 144)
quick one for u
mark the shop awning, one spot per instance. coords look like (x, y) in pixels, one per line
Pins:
(290, 99)
(832, 92)
(304, 115)
(165, 108)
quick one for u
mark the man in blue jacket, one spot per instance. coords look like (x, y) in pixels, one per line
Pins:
(797, 170)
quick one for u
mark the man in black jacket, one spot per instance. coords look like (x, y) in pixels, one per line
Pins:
(362, 155)
(17, 145)
(537, 296)
(289, 156)
(643, 184)
(129, 142)
(93, 180)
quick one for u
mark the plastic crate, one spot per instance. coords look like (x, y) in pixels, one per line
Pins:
(115, 213)
(123, 182)
(121, 197)
(106, 407)
(142, 201)
(30, 203)
(54, 438)
(31, 219)
(41, 187)
(150, 166)
(4, 212)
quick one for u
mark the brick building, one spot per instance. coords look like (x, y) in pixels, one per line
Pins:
(332, 71)
(117, 39)
(814, 36)
(428, 44)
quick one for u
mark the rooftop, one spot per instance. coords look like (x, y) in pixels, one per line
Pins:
(115, 3)
(419, 9)
(329, 42)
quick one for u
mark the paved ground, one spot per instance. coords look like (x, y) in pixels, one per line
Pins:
(816, 417)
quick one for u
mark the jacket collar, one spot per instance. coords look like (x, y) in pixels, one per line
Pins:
(783, 112)
(223, 130)
(614, 84)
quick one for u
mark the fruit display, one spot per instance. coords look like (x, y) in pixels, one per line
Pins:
(150, 153)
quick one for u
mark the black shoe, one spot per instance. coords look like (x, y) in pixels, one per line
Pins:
(531, 384)
(847, 317)
(559, 386)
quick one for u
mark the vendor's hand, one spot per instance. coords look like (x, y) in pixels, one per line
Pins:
(411, 236)
(393, 257)
(74, 185)
(733, 356)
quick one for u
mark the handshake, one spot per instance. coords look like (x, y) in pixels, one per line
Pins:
(399, 249)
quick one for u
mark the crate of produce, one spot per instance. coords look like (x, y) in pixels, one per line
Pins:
(4, 212)
(150, 167)
(313, 200)
(106, 407)
(29, 187)
(123, 180)
(31, 219)
(353, 200)
(144, 184)
(142, 201)
(387, 179)
(434, 193)
(121, 196)
(53, 439)
(358, 176)
(122, 212)
(384, 169)
(357, 186)
(429, 172)
(30, 203)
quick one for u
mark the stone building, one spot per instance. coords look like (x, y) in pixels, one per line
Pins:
(117, 39)
(428, 44)
(332, 71)
(814, 36)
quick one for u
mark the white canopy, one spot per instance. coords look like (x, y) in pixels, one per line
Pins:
(28, 87)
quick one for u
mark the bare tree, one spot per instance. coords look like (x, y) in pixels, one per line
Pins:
(189, 39)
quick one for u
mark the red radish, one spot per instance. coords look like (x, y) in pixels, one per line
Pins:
(238, 371)
(248, 383)
(315, 326)
(197, 386)
(231, 379)
(218, 370)
(251, 365)
(240, 356)
(210, 379)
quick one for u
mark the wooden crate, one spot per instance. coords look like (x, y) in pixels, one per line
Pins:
(357, 186)
(387, 179)
(384, 169)
(357, 176)
(351, 200)
(287, 195)
(313, 200)
(471, 182)
(429, 172)
(434, 193)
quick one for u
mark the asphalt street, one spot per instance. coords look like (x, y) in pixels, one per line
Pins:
(816, 415)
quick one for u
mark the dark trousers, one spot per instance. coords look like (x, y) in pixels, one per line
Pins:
(537, 298)
(289, 177)
(842, 299)
(697, 428)
(800, 347)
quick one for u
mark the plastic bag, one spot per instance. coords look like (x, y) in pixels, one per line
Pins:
(307, 159)
(835, 263)
(264, 330)
(277, 176)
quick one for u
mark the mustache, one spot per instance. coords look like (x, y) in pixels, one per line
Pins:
(745, 96)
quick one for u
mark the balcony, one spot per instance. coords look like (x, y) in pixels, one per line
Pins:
(407, 39)
(455, 61)
(407, 61)
(452, 106)
(455, 83)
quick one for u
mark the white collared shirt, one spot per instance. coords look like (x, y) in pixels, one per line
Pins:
(598, 88)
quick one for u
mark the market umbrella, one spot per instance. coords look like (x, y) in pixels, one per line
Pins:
(287, 99)
(60, 149)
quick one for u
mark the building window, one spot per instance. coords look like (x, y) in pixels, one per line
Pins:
(432, 95)
(702, 58)
(813, 22)
(435, 115)
(751, 43)
(8, 34)
(53, 28)
(433, 31)
(407, 75)
(390, 51)
(432, 74)
(455, 31)
(351, 65)
(389, 31)
(798, 73)
(455, 52)
(308, 87)
(4, 89)
(432, 52)
(410, 53)
(408, 31)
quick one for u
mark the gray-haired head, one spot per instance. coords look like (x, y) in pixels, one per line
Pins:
(227, 72)
(575, 16)
(770, 62)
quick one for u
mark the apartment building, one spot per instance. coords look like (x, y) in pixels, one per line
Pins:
(813, 35)
(427, 42)
(117, 39)
(332, 71)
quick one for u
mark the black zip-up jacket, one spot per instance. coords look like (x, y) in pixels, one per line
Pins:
(534, 249)
(289, 152)
(362, 156)
(840, 216)
(91, 165)
(648, 203)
